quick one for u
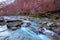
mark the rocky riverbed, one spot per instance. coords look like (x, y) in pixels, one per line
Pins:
(28, 28)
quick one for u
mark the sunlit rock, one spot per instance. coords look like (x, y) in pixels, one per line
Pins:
(40, 30)
(14, 24)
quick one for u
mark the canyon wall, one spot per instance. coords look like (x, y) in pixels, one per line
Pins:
(31, 6)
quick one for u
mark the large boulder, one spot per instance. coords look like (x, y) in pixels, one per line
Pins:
(14, 24)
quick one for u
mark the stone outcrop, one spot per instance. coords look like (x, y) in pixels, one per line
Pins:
(14, 24)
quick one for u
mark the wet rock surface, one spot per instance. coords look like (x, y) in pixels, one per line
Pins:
(28, 24)
(2, 21)
(14, 24)
(37, 29)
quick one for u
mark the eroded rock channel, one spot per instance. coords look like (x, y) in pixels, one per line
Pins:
(28, 28)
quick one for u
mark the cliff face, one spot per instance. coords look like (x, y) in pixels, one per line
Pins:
(32, 6)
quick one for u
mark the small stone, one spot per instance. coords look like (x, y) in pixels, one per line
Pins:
(48, 24)
(2, 21)
(52, 25)
(28, 24)
(44, 22)
(40, 30)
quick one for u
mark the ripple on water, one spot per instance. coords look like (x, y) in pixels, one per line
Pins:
(22, 33)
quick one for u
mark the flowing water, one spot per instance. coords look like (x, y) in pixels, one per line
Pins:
(22, 33)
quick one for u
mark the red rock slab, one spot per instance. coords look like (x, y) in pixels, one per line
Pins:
(32, 6)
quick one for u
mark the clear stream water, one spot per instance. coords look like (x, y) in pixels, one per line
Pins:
(22, 33)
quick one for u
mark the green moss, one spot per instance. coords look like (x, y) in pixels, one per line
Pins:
(52, 25)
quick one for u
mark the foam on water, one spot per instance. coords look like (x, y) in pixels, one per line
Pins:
(24, 33)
